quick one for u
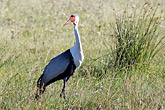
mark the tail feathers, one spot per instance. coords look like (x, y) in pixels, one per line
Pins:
(40, 87)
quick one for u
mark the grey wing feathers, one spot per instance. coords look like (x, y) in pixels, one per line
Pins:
(56, 66)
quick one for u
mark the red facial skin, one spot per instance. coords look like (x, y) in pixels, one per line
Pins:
(72, 19)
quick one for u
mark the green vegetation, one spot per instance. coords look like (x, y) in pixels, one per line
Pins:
(123, 43)
(137, 37)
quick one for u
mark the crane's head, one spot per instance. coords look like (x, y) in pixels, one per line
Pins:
(74, 19)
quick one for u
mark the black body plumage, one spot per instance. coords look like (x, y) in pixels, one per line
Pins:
(70, 68)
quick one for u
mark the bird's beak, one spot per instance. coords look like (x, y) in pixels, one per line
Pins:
(67, 22)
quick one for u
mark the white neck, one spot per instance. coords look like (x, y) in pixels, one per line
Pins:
(78, 41)
(76, 50)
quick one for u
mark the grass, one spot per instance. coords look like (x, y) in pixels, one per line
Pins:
(137, 37)
(32, 33)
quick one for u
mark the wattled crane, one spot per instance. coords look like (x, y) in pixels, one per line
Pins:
(63, 65)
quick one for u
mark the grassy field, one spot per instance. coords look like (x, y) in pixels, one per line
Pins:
(32, 32)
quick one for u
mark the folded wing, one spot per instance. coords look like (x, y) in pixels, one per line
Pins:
(56, 66)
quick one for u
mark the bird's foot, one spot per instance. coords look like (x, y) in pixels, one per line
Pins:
(62, 94)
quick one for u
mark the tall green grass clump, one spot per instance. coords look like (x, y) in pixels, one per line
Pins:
(137, 38)
(135, 41)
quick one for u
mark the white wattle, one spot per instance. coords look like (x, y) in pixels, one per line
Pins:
(76, 50)
(77, 55)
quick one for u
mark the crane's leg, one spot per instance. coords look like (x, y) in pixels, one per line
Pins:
(67, 78)
(63, 89)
